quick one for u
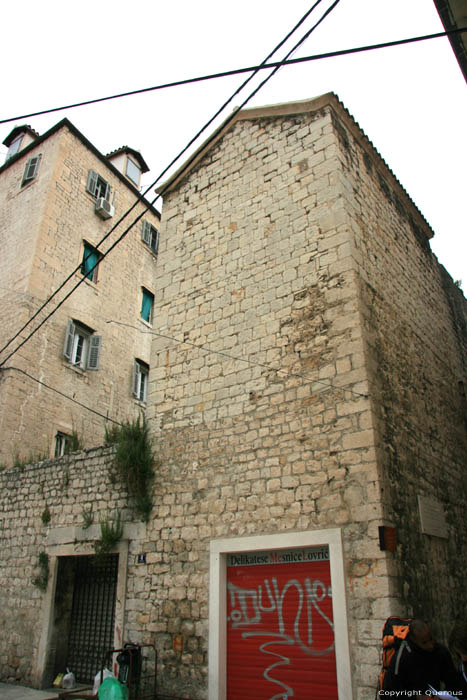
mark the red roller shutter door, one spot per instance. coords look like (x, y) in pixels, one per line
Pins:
(280, 638)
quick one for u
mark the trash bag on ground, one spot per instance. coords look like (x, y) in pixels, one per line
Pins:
(100, 678)
(111, 689)
(69, 681)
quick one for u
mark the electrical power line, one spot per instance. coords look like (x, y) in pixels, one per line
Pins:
(238, 71)
(164, 171)
(328, 384)
(262, 66)
(185, 167)
(57, 391)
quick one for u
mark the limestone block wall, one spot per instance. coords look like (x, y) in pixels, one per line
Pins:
(65, 488)
(269, 399)
(43, 229)
(415, 327)
(259, 387)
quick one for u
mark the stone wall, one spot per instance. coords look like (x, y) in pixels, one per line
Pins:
(65, 488)
(259, 386)
(285, 398)
(415, 325)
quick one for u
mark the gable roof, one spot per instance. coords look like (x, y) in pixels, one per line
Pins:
(283, 109)
(136, 155)
(23, 129)
(65, 123)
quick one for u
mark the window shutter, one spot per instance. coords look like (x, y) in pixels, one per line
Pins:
(136, 373)
(69, 337)
(107, 191)
(155, 246)
(31, 169)
(144, 385)
(146, 232)
(91, 184)
(94, 351)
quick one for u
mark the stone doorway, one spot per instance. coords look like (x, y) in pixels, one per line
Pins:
(84, 614)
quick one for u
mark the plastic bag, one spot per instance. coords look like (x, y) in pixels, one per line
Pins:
(69, 680)
(111, 689)
(105, 673)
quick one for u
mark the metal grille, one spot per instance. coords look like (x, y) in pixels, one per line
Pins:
(93, 614)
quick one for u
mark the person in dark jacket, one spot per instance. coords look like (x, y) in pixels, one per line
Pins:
(458, 644)
(419, 663)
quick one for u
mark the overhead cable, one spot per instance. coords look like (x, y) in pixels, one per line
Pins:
(237, 71)
(57, 391)
(160, 194)
(328, 384)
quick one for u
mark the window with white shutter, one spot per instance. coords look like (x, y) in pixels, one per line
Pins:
(150, 236)
(140, 380)
(97, 186)
(82, 348)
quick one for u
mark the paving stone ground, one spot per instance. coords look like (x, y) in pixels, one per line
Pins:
(10, 691)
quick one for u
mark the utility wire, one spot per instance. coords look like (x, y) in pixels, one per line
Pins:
(142, 195)
(262, 66)
(262, 365)
(57, 391)
(237, 71)
(185, 167)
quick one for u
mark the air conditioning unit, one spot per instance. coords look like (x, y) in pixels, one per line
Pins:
(104, 208)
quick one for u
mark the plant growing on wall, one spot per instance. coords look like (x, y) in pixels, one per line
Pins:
(74, 443)
(45, 517)
(111, 534)
(88, 518)
(134, 462)
(43, 578)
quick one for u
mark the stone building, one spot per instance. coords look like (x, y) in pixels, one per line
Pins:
(307, 407)
(59, 196)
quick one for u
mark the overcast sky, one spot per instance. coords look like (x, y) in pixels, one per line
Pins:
(411, 101)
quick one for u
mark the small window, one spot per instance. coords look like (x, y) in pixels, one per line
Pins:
(31, 169)
(62, 444)
(90, 264)
(97, 186)
(150, 236)
(82, 348)
(133, 171)
(140, 380)
(14, 146)
(147, 305)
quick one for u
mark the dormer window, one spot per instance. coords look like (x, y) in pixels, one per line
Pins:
(14, 146)
(18, 139)
(133, 171)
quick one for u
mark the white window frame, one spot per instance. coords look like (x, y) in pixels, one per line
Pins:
(150, 236)
(130, 162)
(62, 441)
(140, 380)
(31, 169)
(97, 186)
(219, 549)
(82, 348)
(14, 147)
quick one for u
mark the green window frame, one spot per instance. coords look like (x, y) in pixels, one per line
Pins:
(147, 305)
(90, 262)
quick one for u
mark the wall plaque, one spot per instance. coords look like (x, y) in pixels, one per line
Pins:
(432, 517)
